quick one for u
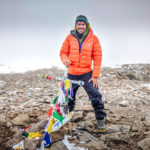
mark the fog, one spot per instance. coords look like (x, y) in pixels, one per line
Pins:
(32, 32)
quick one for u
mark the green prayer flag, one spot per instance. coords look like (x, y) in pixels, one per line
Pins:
(58, 116)
(67, 98)
(55, 99)
(25, 134)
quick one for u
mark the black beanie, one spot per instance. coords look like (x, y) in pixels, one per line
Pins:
(81, 18)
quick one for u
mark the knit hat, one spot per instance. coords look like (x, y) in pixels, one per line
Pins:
(81, 18)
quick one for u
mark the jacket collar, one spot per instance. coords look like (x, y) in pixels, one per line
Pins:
(73, 33)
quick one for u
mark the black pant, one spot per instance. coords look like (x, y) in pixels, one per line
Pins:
(93, 93)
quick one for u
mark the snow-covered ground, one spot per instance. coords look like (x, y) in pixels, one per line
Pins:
(21, 68)
(146, 85)
(5, 69)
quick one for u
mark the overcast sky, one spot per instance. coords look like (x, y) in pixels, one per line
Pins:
(32, 31)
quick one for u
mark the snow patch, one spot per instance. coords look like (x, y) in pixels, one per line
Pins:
(146, 85)
(70, 146)
(2, 83)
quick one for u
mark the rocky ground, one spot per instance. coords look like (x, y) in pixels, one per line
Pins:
(26, 98)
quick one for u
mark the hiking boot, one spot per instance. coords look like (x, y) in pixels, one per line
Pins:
(100, 126)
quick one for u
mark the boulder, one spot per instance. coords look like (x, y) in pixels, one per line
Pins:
(124, 103)
(59, 146)
(144, 144)
(2, 119)
(90, 116)
(22, 119)
(58, 135)
(118, 128)
(94, 145)
(42, 117)
(86, 137)
(77, 116)
(37, 127)
(31, 144)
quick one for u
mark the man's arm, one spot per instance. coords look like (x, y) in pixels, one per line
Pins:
(97, 57)
(65, 50)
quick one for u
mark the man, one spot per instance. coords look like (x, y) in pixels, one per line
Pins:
(77, 52)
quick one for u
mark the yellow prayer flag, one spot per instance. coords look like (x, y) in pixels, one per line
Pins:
(67, 84)
(50, 126)
(33, 135)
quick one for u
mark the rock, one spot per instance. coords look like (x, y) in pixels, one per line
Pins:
(82, 96)
(134, 128)
(89, 124)
(134, 134)
(31, 144)
(18, 136)
(144, 144)
(12, 107)
(86, 137)
(81, 125)
(33, 120)
(113, 136)
(102, 137)
(117, 137)
(131, 76)
(33, 115)
(59, 146)
(113, 129)
(124, 103)
(8, 124)
(38, 126)
(3, 98)
(146, 123)
(2, 83)
(93, 145)
(2, 119)
(90, 129)
(84, 108)
(70, 139)
(12, 115)
(118, 128)
(125, 128)
(8, 144)
(147, 118)
(77, 116)
(75, 132)
(42, 117)
(147, 134)
(22, 119)
(90, 117)
(5, 136)
(2, 92)
(58, 135)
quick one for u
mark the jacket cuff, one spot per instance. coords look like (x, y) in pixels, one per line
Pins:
(95, 74)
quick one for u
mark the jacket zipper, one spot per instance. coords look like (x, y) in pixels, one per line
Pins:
(80, 46)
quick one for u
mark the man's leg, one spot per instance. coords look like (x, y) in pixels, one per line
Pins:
(94, 96)
(71, 102)
(96, 100)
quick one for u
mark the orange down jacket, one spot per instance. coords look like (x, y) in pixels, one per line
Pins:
(81, 63)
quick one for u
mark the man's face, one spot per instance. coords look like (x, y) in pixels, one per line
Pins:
(81, 26)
